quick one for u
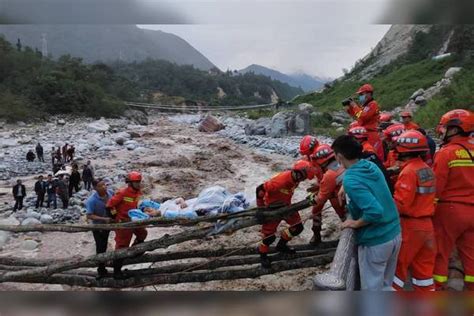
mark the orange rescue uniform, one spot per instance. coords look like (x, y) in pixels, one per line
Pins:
(330, 186)
(368, 117)
(414, 197)
(454, 216)
(279, 191)
(124, 200)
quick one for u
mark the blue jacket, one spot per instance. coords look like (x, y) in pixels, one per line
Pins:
(369, 199)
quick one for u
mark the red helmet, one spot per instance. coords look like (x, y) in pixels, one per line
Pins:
(322, 154)
(365, 89)
(412, 141)
(406, 114)
(308, 144)
(306, 168)
(134, 176)
(385, 117)
(463, 119)
(359, 132)
(393, 131)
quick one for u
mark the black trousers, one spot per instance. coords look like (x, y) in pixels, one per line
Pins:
(72, 186)
(65, 199)
(39, 200)
(101, 238)
(40, 157)
(18, 203)
(88, 185)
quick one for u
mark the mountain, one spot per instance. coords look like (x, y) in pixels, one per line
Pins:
(304, 81)
(107, 43)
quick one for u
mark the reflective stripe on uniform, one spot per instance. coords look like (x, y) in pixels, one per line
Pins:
(460, 163)
(425, 282)
(469, 278)
(129, 199)
(440, 278)
(398, 282)
(426, 190)
(284, 191)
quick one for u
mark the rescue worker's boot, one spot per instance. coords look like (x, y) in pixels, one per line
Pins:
(265, 261)
(118, 273)
(316, 239)
(283, 247)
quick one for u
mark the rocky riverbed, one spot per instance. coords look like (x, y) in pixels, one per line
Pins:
(176, 160)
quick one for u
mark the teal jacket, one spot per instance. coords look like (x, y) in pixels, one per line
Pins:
(369, 199)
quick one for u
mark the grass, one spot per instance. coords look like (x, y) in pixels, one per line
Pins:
(458, 95)
(393, 86)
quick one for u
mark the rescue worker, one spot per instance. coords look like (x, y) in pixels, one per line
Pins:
(415, 197)
(454, 215)
(328, 188)
(368, 152)
(307, 146)
(118, 206)
(391, 134)
(367, 115)
(407, 120)
(385, 117)
(278, 191)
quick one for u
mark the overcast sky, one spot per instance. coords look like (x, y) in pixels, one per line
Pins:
(320, 50)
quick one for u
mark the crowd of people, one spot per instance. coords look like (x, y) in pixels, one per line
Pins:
(409, 205)
(64, 180)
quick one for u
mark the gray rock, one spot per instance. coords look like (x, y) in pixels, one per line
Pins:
(289, 124)
(29, 245)
(421, 100)
(99, 126)
(61, 122)
(7, 142)
(417, 93)
(452, 71)
(46, 219)
(107, 148)
(335, 124)
(30, 221)
(33, 214)
(137, 117)
(210, 124)
(306, 107)
(4, 237)
(258, 127)
(340, 129)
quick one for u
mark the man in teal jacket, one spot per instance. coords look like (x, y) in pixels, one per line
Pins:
(374, 215)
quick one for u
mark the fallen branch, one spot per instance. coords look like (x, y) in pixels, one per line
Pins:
(185, 277)
(163, 242)
(167, 256)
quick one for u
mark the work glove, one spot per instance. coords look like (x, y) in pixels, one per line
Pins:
(312, 198)
(111, 212)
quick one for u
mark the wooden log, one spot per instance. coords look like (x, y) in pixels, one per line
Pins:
(195, 266)
(335, 279)
(168, 256)
(184, 277)
(163, 242)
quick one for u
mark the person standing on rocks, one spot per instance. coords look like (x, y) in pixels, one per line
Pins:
(64, 152)
(97, 213)
(70, 153)
(87, 177)
(19, 193)
(89, 165)
(118, 206)
(51, 190)
(53, 156)
(30, 156)
(40, 189)
(39, 152)
(62, 191)
(74, 179)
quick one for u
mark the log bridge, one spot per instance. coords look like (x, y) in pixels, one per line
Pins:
(200, 265)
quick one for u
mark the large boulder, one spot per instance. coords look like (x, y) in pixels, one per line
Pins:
(451, 72)
(121, 138)
(290, 124)
(258, 127)
(417, 93)
(29, 245)
(30, 221)
(99, 126)
(137, 117)
(210, 124)
(306, 107)
(46, 219)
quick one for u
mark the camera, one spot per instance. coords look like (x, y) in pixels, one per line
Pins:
(347, 101)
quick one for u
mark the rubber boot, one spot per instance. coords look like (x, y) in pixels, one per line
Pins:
(265, 262)
(283, 247)
(316, 239)
(118, 273)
